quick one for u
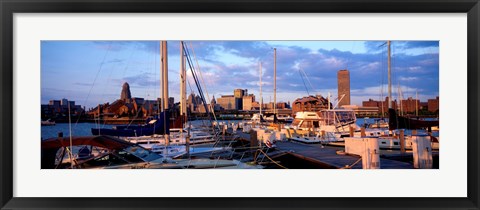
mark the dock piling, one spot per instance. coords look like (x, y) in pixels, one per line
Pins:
(422, 152)
(402, 142)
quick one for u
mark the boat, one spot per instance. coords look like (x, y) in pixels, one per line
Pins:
(48, 122)
(400, 122)
(273, 118)
(333, 120)
(315, 137)
(379, 123)
(393, 142)
(107, 152)
(153, 126)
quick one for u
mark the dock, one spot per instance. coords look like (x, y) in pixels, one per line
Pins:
(327, 155)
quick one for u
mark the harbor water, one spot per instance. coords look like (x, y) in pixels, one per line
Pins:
(84, 129)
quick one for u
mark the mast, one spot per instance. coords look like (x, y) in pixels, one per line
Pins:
(165, 88)
(70, 132)
(328, 97)
(400, 98)
(261, 98)
(183, 89)
(274, 80)
(389, 78)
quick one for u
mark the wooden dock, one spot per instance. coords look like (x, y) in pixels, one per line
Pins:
(327, 155)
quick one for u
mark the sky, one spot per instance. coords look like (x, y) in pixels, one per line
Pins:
(92, 72)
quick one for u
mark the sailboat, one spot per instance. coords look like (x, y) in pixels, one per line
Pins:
(396, 122)
(150, 127)
(400, 122)
(108, 152)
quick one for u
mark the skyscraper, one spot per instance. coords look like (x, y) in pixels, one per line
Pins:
(343, 77)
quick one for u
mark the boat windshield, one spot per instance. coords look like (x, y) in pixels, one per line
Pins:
(332, 117)
(296, 122)
(142, 153)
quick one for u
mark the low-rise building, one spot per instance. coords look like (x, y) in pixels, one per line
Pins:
(433, 104)
(310, 103)
(227, 102)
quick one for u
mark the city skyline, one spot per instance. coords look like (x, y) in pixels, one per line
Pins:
(92, 72)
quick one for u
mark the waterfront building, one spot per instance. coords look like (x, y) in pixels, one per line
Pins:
(56, 109)
(381, 105)
(125, 95)
(247, 102)
(128, 106)
(410, 105)
(310, 103)
(343, 77)
(283, 105)
(227, 102)
(193, 102)
(433, 104)
(362, 110)
(423, 106)
(239, 93)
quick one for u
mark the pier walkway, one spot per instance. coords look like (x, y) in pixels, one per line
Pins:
(327, 155)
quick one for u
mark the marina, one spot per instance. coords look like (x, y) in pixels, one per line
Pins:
(313, 132)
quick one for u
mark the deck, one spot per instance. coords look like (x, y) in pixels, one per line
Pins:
(328, 155)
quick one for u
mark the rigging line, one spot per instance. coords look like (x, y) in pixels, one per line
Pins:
(308, 80)
(106, 86)
(203, 82)
(276, 163)
(197, 81)
(96, 76)
(195, 77)
(305, 85)
(102, 98)
(382, 79)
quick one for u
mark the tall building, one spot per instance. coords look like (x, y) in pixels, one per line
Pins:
(238, 94)
(343, 77)
(125, 94)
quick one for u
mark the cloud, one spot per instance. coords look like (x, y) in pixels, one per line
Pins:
(141, 80)
(321, 67)
(418, 44)
(227, 65)
(408, 78)
(398, 46)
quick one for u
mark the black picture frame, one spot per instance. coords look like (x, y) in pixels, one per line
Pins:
(10, 7)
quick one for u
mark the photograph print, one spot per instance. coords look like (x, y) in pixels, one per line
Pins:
(179, 104)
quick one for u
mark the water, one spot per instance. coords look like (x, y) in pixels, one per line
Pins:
(83, 129)
(80, 129)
